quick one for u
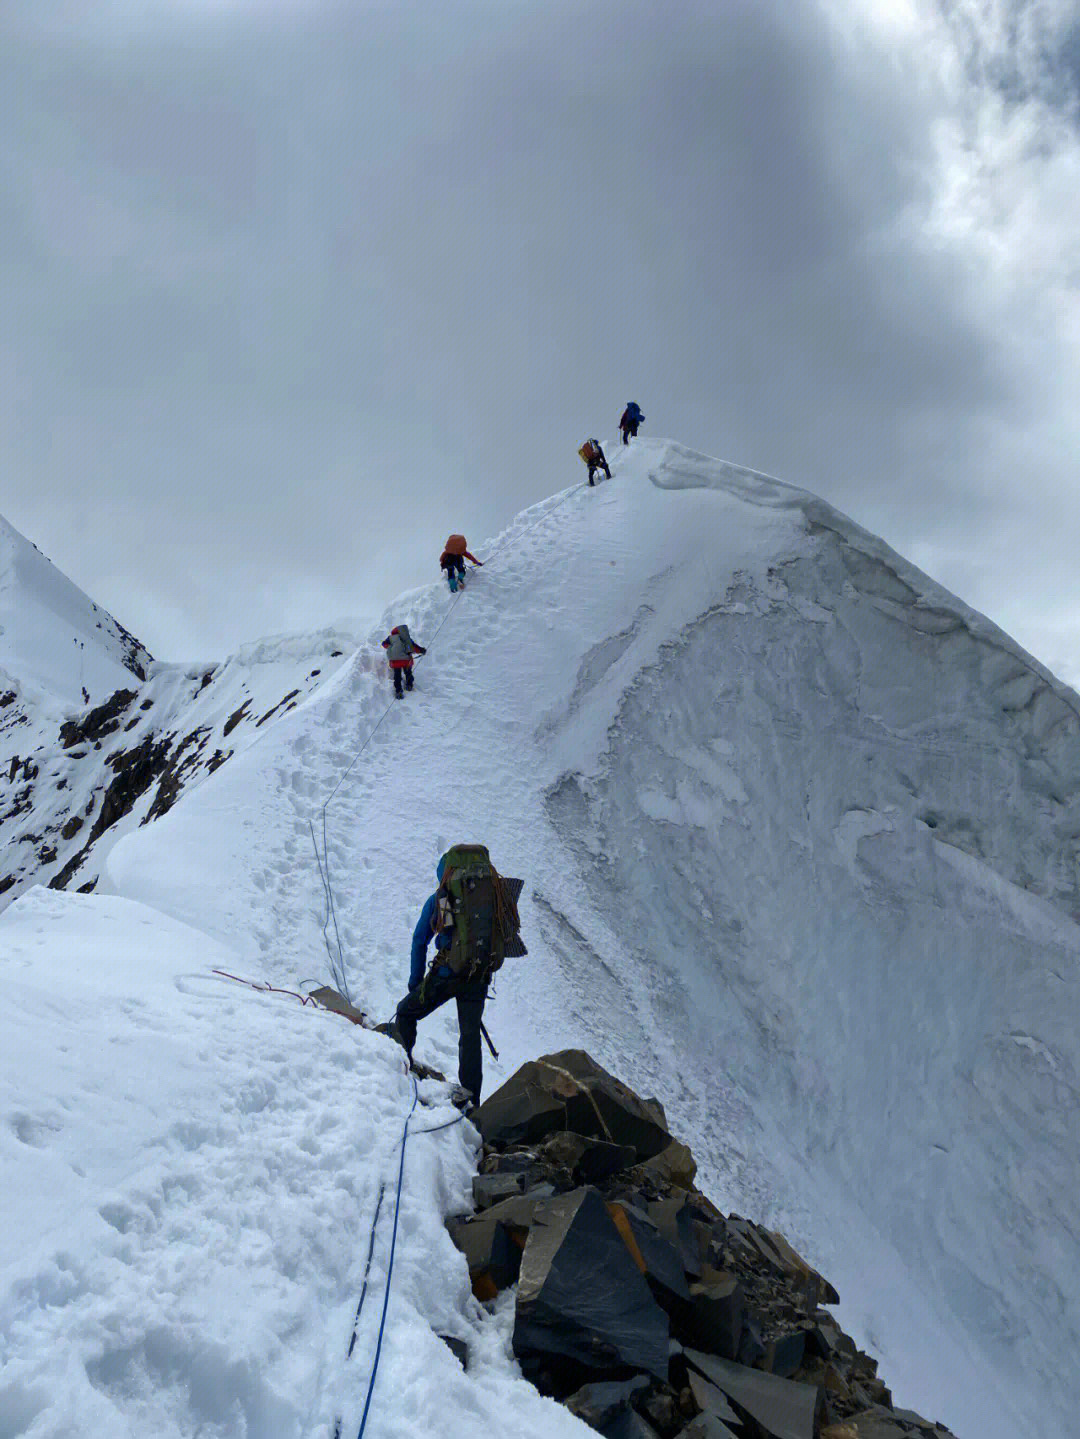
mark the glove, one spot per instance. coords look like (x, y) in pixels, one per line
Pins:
(420, 650)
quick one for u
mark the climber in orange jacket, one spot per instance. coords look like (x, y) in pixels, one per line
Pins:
(592, 453)
(452, 560)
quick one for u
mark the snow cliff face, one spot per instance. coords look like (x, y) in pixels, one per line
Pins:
(800, 838)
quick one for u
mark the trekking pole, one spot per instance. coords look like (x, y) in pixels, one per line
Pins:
(483, 1031)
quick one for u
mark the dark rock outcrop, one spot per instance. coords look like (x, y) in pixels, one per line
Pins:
(581, 1297)
(641, 1306)
(570, 1091)
(97, 722)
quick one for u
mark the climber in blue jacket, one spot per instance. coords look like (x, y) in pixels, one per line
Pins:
(427, 993)
(423, 935)
(631, 418)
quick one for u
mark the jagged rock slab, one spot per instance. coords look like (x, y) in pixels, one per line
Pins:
(492, 1242)
(710, 1399)
(489, 1189)
(337, 1004)
(493, 1258)
(586, 1159)
(713, 1320)
(673, 1165)
(658, 1260)
(679, 1226)
(706, 1426)
(598, 1404)
(774, 1249)
(782, 1408)
(878, 1426)
(582, 1297)
(784, 1353)
(629, 1425)
(570, 1091)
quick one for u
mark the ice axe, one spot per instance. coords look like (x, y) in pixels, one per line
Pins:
(483, 1031)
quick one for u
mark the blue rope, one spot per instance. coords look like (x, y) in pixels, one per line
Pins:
(389, 1263)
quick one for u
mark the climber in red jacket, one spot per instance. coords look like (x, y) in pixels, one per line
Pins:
(455, 553)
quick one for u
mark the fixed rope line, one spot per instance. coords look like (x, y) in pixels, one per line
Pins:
(435, 1128)
(337, 967)
(337, 971)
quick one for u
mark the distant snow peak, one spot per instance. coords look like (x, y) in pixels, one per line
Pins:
(54, 640)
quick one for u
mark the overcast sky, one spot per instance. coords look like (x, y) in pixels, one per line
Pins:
(291, 288)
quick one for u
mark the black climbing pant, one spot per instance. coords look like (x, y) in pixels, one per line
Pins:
(402, 677)
(435, 990)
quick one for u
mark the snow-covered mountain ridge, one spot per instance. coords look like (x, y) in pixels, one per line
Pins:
(800, 836)
(70, 786)
(55, 641)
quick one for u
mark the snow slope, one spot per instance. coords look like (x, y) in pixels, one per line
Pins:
(191, 1172)
(53, 638)
(799, 831)
(69, 788)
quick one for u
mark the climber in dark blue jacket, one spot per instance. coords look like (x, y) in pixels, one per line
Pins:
(427, 993)
(423, 935)
(628, 424)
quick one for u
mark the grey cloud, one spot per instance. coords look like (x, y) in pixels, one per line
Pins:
(292, 294)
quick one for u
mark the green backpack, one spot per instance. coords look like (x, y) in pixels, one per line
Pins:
(480, 907)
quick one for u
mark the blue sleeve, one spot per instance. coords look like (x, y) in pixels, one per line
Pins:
(422, 935)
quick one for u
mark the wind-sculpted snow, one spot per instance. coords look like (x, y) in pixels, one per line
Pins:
(800, 838)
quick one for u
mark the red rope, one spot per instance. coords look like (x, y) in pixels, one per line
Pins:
(266, 988)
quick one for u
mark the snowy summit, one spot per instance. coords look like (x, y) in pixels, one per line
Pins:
(798, 833)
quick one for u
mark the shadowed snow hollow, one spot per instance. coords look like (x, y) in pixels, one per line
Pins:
(800, 833)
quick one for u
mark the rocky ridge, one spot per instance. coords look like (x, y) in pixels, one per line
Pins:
(72, 783)
(639, 1305)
